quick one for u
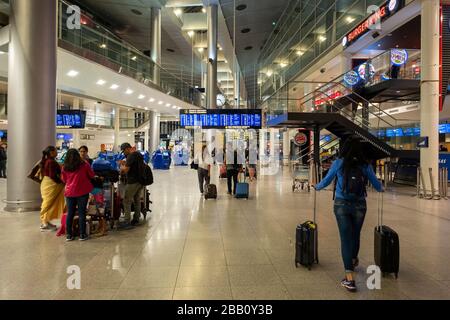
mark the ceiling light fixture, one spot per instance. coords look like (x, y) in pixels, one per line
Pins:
(73, 73)
(200, 50)
(350, 19)
(168, 105)
(129, 91)
(141, 96)
(191, 33)
(103, 46)
(134, 58)
(101, 82)
(204, 10)
(299, 53)
(322, 38)
(160, 102)
(114, 87)
(151, 100)
(178, 12)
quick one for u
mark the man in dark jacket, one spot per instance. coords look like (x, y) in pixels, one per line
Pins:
(3, 161)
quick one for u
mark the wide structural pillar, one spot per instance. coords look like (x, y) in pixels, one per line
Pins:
(154, 131)
(31, 96)
(429, 90)
(155, 49)
(211, 89)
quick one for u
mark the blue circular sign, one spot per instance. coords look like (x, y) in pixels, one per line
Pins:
(399, 57)
(351, 78)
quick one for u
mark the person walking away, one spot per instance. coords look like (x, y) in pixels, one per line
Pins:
(204, 161)
(84, 153)
(351, 171)
(130, 171)
(52, 189)
(77, 174)
(233, 170)
(3, 161)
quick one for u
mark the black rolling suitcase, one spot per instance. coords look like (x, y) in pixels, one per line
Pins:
(306, 246)
(387, 245)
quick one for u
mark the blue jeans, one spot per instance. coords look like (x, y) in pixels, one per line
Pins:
(72, 204)
(350, 217)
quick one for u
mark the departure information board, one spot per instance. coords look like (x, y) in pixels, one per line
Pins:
(71, 119)
(221, 119)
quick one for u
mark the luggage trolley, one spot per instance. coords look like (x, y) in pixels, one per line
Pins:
(300, 177)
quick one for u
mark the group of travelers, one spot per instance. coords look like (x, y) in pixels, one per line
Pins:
(67, 187)
(231, 168)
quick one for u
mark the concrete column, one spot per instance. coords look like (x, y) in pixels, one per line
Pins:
(155, 49)
(429, 97)
(31, 95)
(116, 129)
(211, 89)
(154, 131)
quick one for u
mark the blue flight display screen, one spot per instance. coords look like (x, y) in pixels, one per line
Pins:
(444, 128)
(71, 119)
(221, 119)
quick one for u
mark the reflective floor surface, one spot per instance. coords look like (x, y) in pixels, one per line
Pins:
(225, 249)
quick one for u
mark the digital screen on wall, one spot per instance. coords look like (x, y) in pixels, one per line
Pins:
(394, 133)
(444, 128)
(221, 119)
(71, 119)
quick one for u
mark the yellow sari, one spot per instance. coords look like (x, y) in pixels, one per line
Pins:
(53, 201)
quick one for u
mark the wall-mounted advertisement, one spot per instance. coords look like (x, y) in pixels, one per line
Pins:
(399, 57)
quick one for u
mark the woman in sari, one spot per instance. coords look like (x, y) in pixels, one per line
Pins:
(52, 190)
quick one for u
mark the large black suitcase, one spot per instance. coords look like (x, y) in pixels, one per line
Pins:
(387, 246)
(306, 244)
(210, 191)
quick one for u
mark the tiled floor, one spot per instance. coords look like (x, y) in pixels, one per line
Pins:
(225, 249)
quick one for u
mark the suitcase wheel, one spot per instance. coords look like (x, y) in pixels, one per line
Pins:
(396, 276)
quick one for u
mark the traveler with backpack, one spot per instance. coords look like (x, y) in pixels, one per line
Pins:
(234, 167)
(352, 172)
(137, 175)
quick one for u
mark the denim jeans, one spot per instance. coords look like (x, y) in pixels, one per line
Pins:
(72, 205)
(350, 217)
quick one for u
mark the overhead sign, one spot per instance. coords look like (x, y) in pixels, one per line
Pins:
(71, 119)
(386, 10)
(332, 96)
(221, 119)
(399, 57)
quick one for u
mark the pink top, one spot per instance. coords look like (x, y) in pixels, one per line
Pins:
(78, 183)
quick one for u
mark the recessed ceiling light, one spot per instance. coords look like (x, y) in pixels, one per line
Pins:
(2, 52)
(72, 73)
(114, 87)
(129, 91)
(151, 100)
(178, 12)
(322, 38)
(168, 105)
(204, 10)
(174, 107)
(146, 108)
(103, 46)
(191, 33)
(160, 102)
(101, 82)
(300, 53)
(200, 49)
(141, 96)
(350, 19)
(134, 58)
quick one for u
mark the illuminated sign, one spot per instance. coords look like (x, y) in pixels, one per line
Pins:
(300, 139)
(71, 119)
(221, 119)
(399, 57)
(362, 70)
(378, 16)
(351, 78)
(328, 98)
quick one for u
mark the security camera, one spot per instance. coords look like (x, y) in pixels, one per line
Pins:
(323, 70)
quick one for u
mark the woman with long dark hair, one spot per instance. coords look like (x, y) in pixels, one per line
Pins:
(77, 174)
(352, 172)
(52, 189)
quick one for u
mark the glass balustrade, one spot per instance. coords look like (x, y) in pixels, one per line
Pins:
(96, 43)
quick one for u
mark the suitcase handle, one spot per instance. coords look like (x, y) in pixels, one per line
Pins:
(380, 209)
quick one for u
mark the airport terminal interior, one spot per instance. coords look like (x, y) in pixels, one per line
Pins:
(224, 150)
